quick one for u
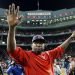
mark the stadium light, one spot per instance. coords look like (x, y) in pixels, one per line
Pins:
(2, 19)
(28, 21)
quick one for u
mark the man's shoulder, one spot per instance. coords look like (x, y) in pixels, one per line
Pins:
(26, 50)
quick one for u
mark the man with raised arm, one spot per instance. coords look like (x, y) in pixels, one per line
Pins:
(36, 61)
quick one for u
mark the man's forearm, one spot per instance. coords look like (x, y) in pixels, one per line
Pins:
(65, 44)
(11, 41)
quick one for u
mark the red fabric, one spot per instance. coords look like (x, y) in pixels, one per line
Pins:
(37, 64)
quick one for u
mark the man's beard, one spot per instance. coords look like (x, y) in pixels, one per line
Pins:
(38, 51)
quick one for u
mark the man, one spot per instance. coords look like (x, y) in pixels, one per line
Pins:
(57, 69)
(15, 69)
(67, 63)
(37, 61)
(72, 67)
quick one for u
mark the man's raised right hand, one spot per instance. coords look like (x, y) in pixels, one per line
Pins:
(12, 14)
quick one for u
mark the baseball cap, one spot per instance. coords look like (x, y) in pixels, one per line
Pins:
(38, 38)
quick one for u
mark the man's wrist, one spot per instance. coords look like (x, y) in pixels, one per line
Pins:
(72, 37)
(12, 28)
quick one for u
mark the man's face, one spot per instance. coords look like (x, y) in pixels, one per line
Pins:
(38, 47)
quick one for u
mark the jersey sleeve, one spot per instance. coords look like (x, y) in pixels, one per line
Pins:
(56, 52)
(19, 55)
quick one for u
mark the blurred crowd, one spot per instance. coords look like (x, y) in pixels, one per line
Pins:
(65, 66)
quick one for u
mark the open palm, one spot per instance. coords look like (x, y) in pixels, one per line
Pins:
(13, 15)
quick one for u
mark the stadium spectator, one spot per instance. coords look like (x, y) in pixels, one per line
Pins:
(57, 69)
(15, 69)
(37, 61)
(72, 66)
(67, 64)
